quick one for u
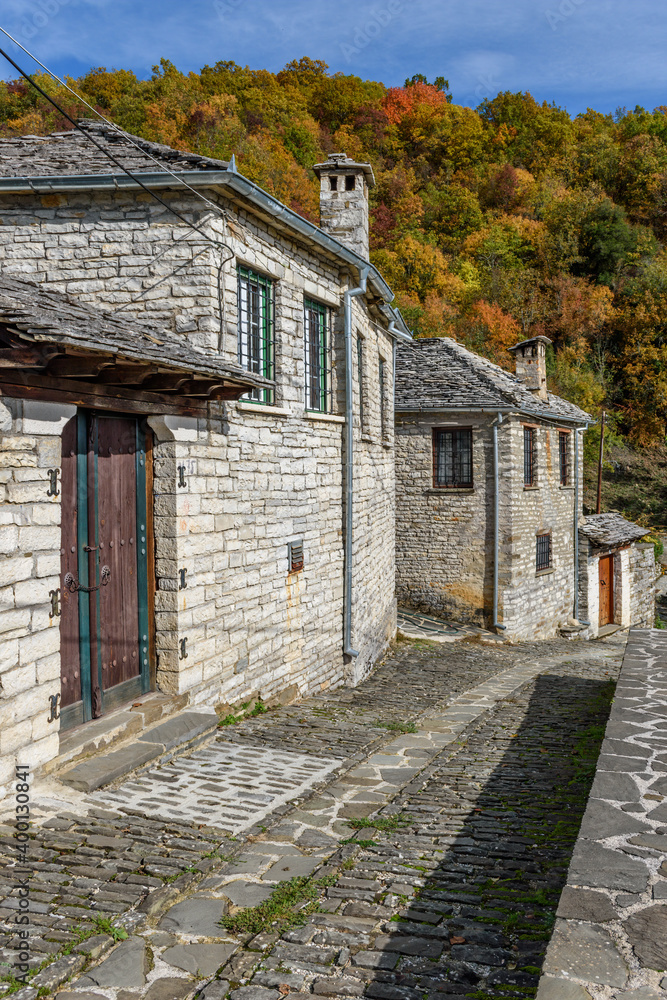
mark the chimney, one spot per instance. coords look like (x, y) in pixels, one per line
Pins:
(530, 357)
(344, 187)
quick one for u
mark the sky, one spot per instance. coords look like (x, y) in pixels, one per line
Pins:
(602, 54)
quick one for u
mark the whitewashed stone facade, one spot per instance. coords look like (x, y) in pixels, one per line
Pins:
(256, 476)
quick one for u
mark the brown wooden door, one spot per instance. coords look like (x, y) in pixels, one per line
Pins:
(104, 561)
(606, 590)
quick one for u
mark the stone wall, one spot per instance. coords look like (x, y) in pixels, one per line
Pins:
(445, 536)
(536, 604)
(609, 936)
(643, 575)
(29, 569)
(257, 477)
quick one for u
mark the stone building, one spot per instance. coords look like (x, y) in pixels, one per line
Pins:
(195, 390)
(489, 500)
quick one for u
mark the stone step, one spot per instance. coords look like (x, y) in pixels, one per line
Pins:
(176, 734)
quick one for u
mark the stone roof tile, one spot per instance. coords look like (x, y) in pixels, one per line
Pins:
(437, 373)
(38, 315)
(606, 530)
(71, 153)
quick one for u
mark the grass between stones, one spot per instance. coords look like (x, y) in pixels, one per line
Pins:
(397, 727)
(102, 925)
(243, 712)
(289, 905)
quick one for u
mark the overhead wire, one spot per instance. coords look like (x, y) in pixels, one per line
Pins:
(132, 176)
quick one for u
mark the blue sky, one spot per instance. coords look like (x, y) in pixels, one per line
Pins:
(579, 53)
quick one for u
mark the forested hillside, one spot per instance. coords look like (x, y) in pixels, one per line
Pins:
(491, 224)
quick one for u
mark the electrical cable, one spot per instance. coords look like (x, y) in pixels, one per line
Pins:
(133, 177)
(112, 125)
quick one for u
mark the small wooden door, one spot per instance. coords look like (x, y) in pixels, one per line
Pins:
(104, 622)
(606, 590)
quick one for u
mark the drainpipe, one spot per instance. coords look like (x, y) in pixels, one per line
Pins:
(496, 521)
(576, 526)
(349, 460)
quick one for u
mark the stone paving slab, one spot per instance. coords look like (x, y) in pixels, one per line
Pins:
(611, 935)
(222, 785)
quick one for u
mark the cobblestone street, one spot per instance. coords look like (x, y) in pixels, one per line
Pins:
(473, 763)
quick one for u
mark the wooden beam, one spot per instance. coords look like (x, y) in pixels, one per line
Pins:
(23, 357)
(68, 366)
(165, 381)
(25, 385)
(126, 374)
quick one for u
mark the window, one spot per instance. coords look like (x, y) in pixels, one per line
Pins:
(360, 378)
(317, 347)
(563, 448)
(452, 457)
(350, 182)
(256, 331)
(333, 183)
(383, 416)
(543, 552)
(529, 456)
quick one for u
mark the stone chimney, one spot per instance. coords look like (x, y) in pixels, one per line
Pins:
(344, 187)
(530, 357)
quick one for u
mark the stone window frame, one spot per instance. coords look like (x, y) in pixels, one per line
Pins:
(362, 388)
(541, 568)
(267, 363)
(385, 419)
(564, 481)
(534, 472)
(436, 433)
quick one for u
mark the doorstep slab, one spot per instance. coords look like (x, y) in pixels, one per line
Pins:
(181, 728)
(98, 771)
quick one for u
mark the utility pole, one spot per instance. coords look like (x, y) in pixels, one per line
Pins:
(599, 506)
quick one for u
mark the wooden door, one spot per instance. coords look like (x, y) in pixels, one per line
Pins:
(104, 565)
(606, 590)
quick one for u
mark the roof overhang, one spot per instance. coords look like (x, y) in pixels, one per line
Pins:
(549, 416)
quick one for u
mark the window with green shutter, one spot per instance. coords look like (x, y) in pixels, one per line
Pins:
(317, 350)
(256, 329)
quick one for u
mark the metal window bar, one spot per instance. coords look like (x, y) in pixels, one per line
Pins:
(543, 552)
(563, 441)
(454, 458)
(360, 377)
(528, 456)
(317, 350)
(256, 329)
(383, 422)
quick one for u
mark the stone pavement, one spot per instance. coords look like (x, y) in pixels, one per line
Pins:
(610, 938)
(99, 867)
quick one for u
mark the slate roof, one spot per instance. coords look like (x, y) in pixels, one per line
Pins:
(63, 153)
(50, 317)
(608, 530)
(436, 373)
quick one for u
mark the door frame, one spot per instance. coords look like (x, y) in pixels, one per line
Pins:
(88, 567)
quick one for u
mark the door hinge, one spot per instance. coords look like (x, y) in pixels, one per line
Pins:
(54, 702)
(53, 490)
(55, 603)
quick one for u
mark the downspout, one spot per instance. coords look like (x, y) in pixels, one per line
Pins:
(496, 521)
(576, 527)
(349, 460)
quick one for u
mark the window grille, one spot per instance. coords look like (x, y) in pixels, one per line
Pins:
(563, 442)
(256, 329)
(317, 347)
(543, 552)
(360, 377)
(529, 456)
(295, 556)
(383, 420)
(452, 457)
